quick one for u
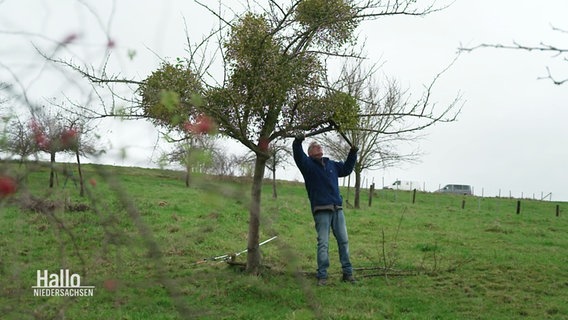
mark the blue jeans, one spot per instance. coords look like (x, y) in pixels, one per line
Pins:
(324, 220)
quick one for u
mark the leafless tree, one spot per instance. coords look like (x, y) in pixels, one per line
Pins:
(227, 164)
(86, 144)
(198, 153)
(52, 133)
(19, 140)
(388, 118)
(279, 156)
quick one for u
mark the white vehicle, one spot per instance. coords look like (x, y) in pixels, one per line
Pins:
(404, 185)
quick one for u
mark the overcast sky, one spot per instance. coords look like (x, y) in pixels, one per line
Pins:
(509, 138)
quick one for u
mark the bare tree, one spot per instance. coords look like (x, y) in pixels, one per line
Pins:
(388, 118)
(279, 155)
(196, 154)
(82, 142)
(51, 135)
(19, 140)
(229, 164)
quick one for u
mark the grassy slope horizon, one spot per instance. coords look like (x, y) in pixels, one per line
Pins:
(143, 239)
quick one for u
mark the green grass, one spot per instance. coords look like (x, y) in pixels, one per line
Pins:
(143, 239)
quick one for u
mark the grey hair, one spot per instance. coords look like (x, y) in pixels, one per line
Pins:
(313, 144)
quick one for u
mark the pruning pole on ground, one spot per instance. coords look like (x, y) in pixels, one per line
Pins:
(231, 256)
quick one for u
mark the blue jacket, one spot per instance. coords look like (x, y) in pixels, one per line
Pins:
(321, 177)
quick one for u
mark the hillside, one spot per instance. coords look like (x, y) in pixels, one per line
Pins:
(150, 247)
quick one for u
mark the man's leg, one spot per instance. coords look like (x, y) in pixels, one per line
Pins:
(322, 221)
(339, 228)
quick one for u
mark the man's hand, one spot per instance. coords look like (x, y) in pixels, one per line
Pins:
(300, 137)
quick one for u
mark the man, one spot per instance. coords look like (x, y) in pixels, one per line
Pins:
(321, 180)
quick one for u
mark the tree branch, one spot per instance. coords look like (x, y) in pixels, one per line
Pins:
(558, 52)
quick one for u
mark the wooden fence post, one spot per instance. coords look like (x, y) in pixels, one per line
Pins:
(518, 206)
(558, 210)
(371, 191)
(414, 196)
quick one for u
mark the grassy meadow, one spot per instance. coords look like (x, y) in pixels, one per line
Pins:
(147, 243)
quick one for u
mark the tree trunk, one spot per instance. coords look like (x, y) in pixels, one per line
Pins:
(52, 173)
(274, 195)
(187, 176)
(81, 184)
(253, 249)
(357, 188)
(187, 169)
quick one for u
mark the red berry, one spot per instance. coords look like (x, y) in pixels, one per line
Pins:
(7, 186)
(93, 182)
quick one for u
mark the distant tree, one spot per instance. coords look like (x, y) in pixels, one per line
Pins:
(20, 140)
(5, 117)
(83, 144)
(279, 155)
(557, 52)
(182, 154)
(52, 136)
(53, 133)
(279, 152)
(246, 164)
(388, 118)
(195, 154)
(226, 164)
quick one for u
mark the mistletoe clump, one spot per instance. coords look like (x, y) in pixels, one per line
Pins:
(332, 20)
(170, 94)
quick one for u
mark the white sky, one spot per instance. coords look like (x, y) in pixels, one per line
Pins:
(509, 138)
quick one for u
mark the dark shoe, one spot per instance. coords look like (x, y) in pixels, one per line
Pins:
(322, 282)
(348, 278)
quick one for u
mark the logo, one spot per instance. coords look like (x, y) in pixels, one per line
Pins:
(62, 284)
